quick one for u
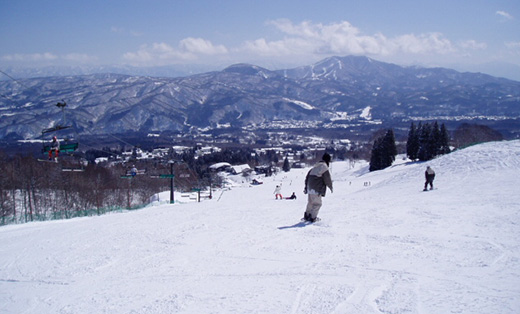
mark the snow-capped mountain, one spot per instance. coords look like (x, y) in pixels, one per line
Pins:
(337, 90)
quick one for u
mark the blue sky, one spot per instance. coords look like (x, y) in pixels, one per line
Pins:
(471, 35)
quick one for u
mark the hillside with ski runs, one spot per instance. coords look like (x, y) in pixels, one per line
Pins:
(382, 246)
(354, 94)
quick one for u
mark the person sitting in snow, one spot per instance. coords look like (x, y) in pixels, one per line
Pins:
(278, 192)
(292, 197)
(430, 175)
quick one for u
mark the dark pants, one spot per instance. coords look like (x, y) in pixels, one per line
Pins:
(430, 182)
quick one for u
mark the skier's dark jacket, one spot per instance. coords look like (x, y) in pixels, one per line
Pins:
(318, 179)
(429, 174)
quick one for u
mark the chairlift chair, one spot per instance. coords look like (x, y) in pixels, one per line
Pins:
(68, 147)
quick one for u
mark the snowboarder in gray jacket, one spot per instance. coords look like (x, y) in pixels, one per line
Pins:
(316, 183)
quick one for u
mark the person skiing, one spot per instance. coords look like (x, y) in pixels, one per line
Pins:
(316, 183)
(55, 147)
(430, 175)
(133, 171)
(278, 192)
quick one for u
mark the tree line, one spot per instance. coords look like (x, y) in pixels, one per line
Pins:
(427, 141)
(33, 190)
(36, 190)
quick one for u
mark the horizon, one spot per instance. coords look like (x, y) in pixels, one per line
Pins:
(172, 71)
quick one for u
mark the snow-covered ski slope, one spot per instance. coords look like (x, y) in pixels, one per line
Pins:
(383, 246)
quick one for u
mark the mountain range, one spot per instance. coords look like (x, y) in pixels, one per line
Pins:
(337, 92)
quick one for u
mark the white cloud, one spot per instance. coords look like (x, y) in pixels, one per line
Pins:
(118, 30)
(79, 58)
(189, 49)
(514, 48)
(513, 45)
(136, 33)
(202, 46)
(343, 38)
(473, 45)
(430, 43)
(48, 58)
(157, 53)
(504, 15)
(34, 57)
(300, 43)
(277, 48)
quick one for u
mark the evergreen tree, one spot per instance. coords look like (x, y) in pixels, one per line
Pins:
(431, 141)
(424, 143)
(444, 145)
(286, 167)
(383, 152)
(435, 140)
(375, 156)
(412, 145)
(389, 148)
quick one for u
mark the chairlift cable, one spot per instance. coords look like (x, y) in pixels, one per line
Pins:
(115, 137)
(100, 150)
(17, 81)
(12, 78)
(122, 140)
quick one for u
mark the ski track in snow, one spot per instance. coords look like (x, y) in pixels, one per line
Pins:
(386, 247)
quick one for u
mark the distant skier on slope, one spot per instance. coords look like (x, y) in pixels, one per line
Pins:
(278, 192)
(316, 183)
(133, 171)
(429, 175)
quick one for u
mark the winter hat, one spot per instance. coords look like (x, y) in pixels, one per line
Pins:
(326, 158)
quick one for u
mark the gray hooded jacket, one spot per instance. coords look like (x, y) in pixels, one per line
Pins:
(318, 179)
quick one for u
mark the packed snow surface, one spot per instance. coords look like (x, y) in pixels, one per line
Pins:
(382, 246)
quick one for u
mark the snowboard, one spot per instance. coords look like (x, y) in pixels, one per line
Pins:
(310, 222)
(47, 160)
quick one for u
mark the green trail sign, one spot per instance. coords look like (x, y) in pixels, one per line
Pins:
(164, 176)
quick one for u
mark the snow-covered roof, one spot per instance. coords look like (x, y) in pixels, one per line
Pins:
(241, 168)
(220, 165)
